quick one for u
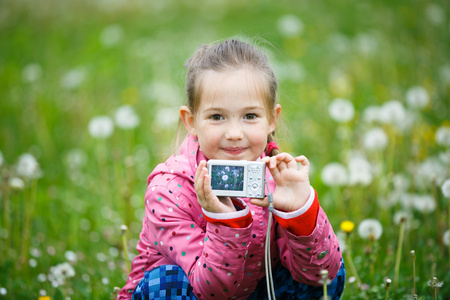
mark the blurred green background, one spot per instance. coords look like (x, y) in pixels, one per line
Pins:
(63, 63)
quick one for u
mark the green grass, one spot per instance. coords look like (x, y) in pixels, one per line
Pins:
(81, 209)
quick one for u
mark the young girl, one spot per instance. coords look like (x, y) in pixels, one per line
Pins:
(195, 245)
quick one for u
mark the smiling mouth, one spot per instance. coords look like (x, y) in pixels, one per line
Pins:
(234, 150)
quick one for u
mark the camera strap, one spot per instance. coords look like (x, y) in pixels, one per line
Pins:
(269, 279)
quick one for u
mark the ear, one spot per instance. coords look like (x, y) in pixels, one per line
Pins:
(276, 114)
(188, 120)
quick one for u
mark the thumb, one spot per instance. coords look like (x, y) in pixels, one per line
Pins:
(260, 202)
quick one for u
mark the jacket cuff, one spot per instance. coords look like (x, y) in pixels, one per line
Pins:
(240, 219)
(302, 221)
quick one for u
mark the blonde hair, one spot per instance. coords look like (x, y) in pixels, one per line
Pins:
(229, 55)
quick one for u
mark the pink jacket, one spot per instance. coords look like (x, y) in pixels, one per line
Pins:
(226, 261)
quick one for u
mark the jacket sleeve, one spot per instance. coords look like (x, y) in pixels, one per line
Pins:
(211, 255)
(305, 255)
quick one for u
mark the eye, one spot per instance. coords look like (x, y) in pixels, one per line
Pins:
(250, 116)
(216, 117)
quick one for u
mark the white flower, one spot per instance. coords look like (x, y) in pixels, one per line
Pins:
(417, 97)
(16, 183)
(101, 127)
(105, 280)
(290, 25)
(430, 171)
(42, 277)
(443, 136)
(31, 72)
(393, 112)
(407, 200)
(225, 177)
(62, 271)
(375, 139)
(290, 71)
(341, 110)
(35, 252)
(370, 228)
(446, 238)
(71, 256)
(446, 188)
(111, 35)
(42, 292)
(435, 14)
(164, 93)
(360, 171)
(28, 167)
(366, 43)
(424, 203)
(400, 182)
(3, 291)
(76, 158)
(32, 262)
(334, 174)
(73, 78)
(126, 118)
(101, 257)
(372, 114)
(402, 215)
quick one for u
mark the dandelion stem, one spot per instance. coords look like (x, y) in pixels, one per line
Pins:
(27, 223)
(6, 216)
(125, 248)
(414, 271)
(399, 251)
(388, 284)
(353, 268)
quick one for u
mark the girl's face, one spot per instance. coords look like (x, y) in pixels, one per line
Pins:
(231, 121)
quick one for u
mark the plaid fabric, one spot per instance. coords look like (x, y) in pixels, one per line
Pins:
(170, 282)
(286, 288)
(164, 283)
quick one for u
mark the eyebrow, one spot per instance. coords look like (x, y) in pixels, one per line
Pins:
(222, 109)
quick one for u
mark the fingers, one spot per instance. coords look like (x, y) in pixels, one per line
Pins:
(304, 163)
(260, 202)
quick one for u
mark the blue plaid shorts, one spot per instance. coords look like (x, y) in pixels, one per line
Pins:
(170, 282)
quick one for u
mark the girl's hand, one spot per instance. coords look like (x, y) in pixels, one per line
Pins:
(205, 196)
(292, 184)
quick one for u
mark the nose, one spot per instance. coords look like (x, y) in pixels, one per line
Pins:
(234, 132)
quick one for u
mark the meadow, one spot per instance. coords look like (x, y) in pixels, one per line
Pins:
(89, 92)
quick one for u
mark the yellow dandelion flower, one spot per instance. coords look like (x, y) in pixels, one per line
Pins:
(347, 226)
(44, 298)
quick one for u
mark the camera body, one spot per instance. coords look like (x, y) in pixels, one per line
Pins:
(237, 178)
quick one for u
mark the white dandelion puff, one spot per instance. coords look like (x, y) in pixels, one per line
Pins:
(72, 79)
(76, 159)
(424, 203)
(435, 14)
(372, 114)
(430, 171)
(443, 136)
(290, 25)
(3, 291)
(446, 238)
(105, 281)
(417, 97)
(28, 167)
(370, 228)
(166, 117)
(101, 127)
(446, 188)
(225, 177)
(31, 72)
(16, 183)
(111, 35)
(42, 277)
(126, 117)
(360, 171)
(341, 110)
(375, 139)
(334, 174)
(393, 112)
(71, 256)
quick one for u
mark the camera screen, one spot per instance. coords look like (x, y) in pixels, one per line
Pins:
(229, 178)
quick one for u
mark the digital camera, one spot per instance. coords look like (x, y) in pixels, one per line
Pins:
(237, 178)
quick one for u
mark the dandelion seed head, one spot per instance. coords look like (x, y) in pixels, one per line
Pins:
(32, 262)
(28, 167)
(424, 203)
(370, 228)
(334, 174)
(372, 114)
(417, 97)
(16, 183)
(111, 35)
(31, 72)
(70, 256)
(341, 110)
(443, 136)
(76, 159)
(105, 281)
(42, 292)
(429, 172)
(42, 277)
(446, 238)
(101, 127)
(393, 112)
(360, 171)
(435, 14)
(126, 117)
(375, 139)
(72, 79)
(3, 291)
(290, 25)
